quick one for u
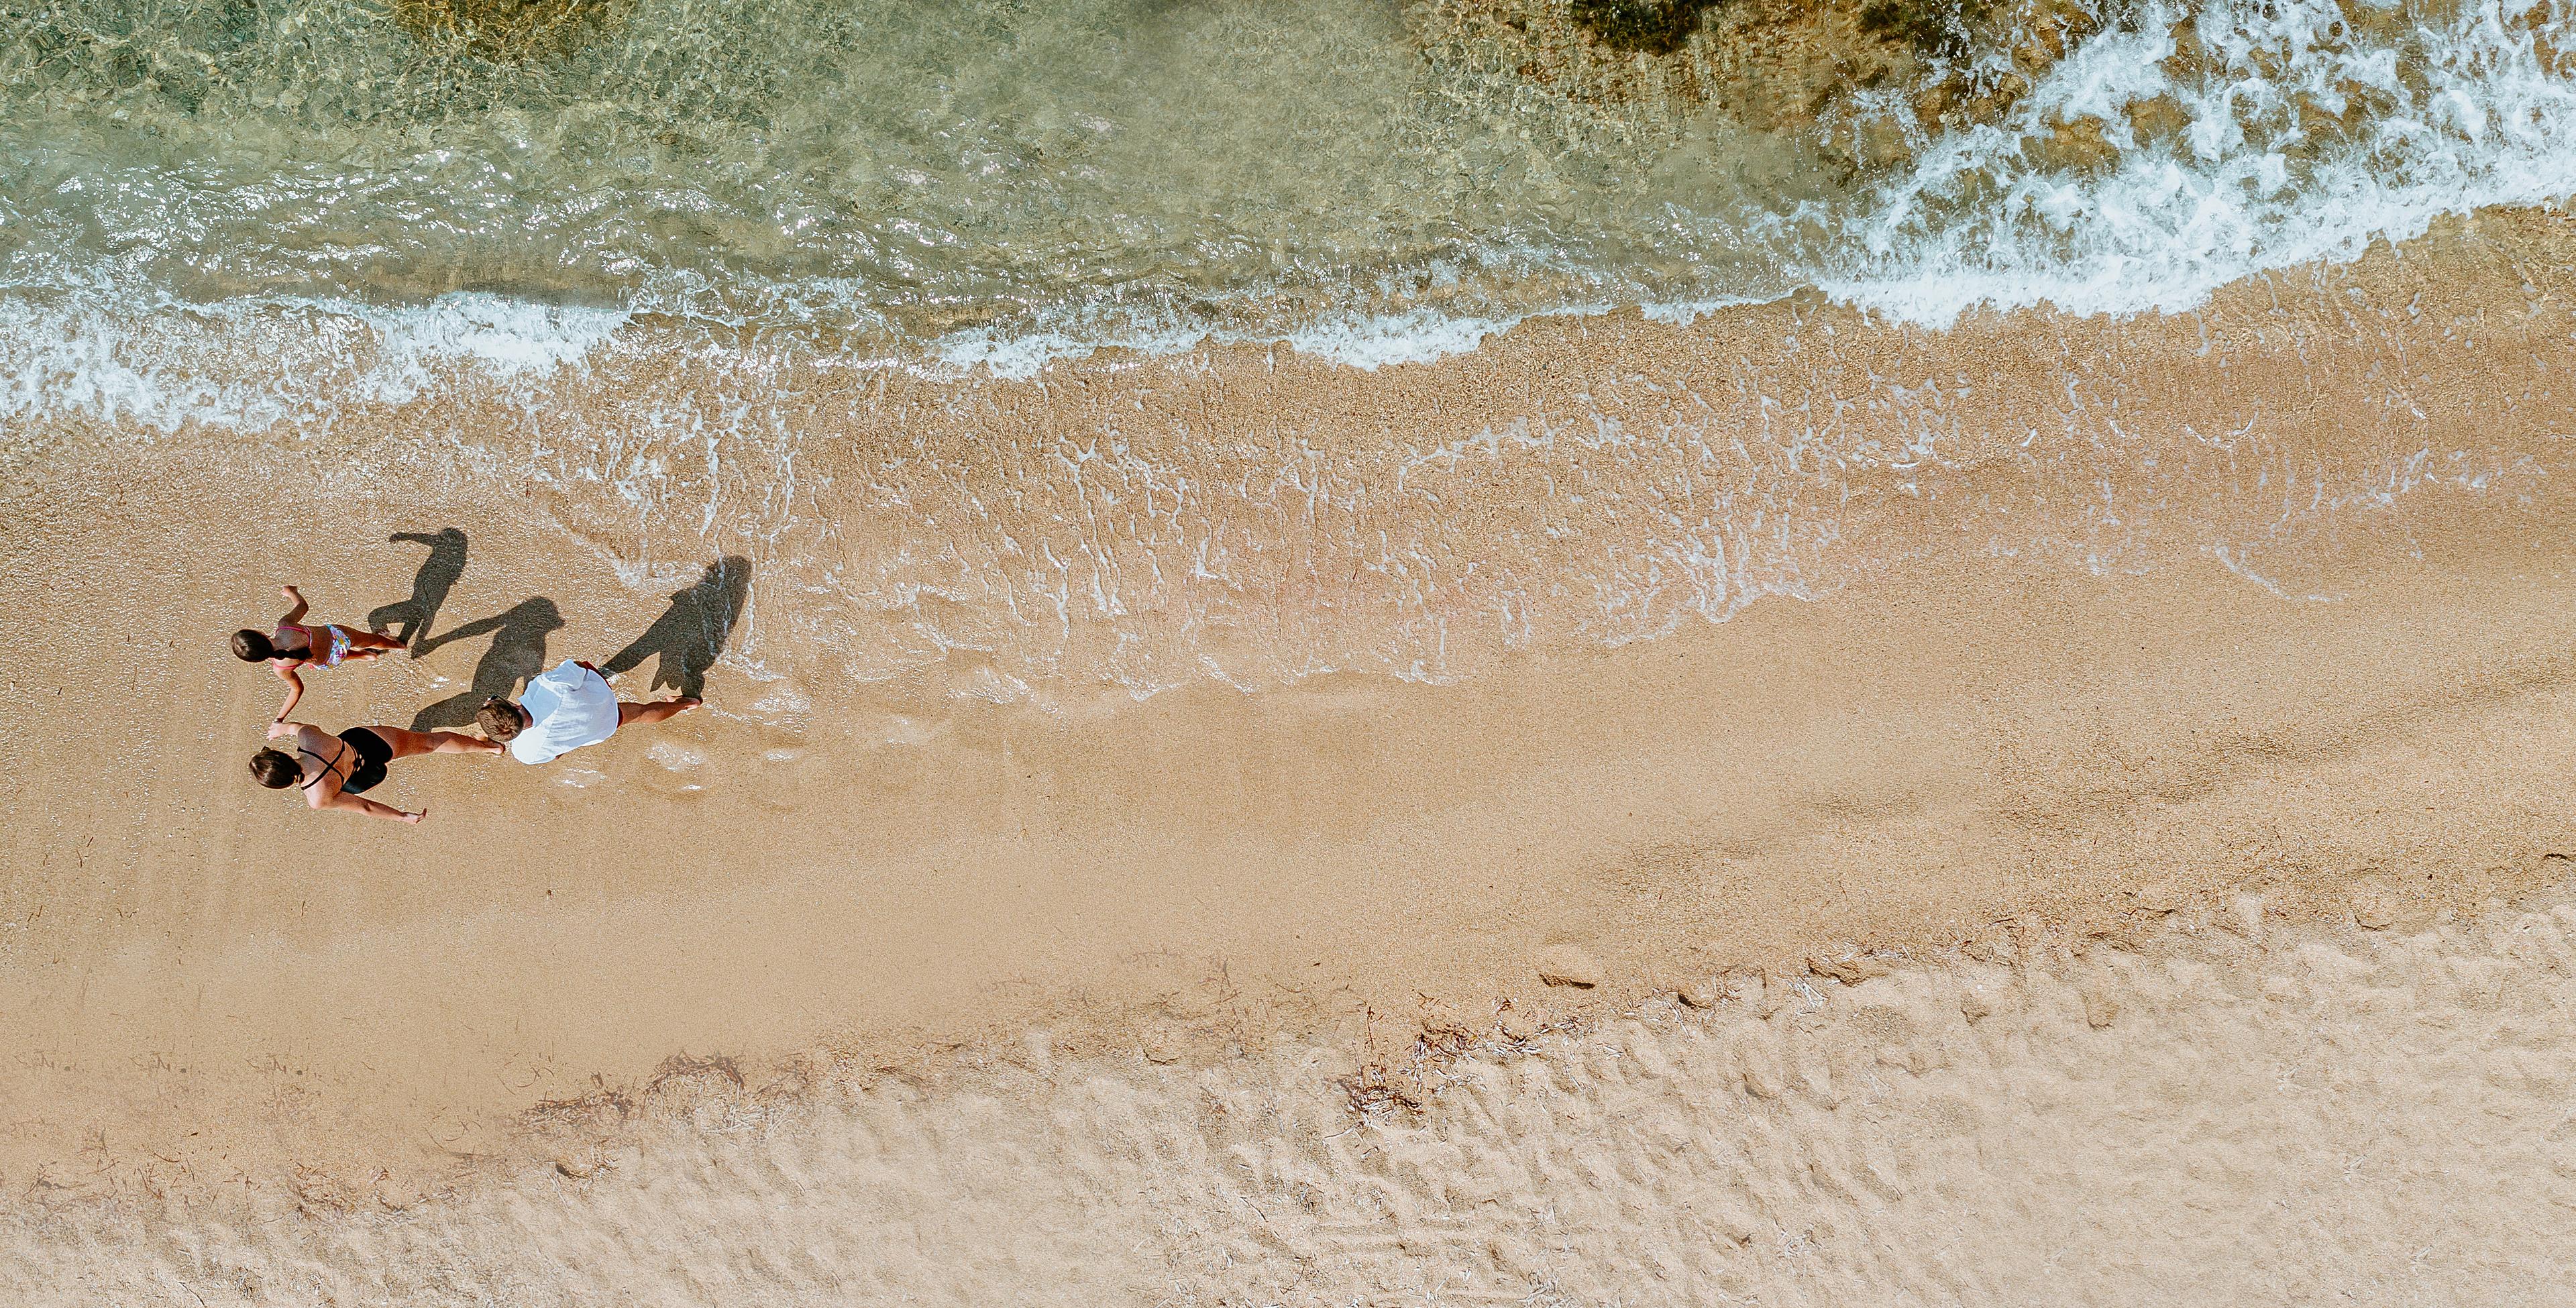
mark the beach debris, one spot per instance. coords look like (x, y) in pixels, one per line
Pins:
(1851, 968)
(1733, 1221)
(1565, 965)
(1974, 1006)
(1759, 1068)
(2100, 1007)
(1515, 1257)
(2161, 895)
(1993, 945)
(2373, 909)
(682, 1068)
(2246, 918)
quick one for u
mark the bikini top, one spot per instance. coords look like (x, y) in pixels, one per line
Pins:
(329, 766)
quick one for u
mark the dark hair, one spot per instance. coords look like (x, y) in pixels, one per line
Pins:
(251, 647)
(276, 769)
(500, 719)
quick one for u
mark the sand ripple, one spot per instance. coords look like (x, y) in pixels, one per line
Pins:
(2227, 1113)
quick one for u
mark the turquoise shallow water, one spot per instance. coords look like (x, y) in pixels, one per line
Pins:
(917, 168)
(1000, 180)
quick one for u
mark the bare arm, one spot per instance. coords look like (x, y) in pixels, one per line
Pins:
(628, 711)
(295, 597)
(294, 689)
(299, 736)
(362, 804)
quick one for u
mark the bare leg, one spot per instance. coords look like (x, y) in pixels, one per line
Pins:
(369, 645)
(630, 712)
(405, 744)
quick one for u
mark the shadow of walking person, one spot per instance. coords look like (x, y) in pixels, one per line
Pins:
(429, 587)
(692, 632)
(517, 652)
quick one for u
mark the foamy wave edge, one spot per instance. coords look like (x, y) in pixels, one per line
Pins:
(85, 351)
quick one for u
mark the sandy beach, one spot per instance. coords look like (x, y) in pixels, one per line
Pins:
(1361, 873)
(2221, 1107)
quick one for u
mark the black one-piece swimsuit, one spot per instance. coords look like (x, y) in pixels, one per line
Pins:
(373, 754)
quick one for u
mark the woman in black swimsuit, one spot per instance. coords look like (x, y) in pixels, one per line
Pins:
(333, 771)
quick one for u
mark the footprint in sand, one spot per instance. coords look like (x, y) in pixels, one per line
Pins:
(675, 756)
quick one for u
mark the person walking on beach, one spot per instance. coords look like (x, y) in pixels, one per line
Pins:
(296, 644)
(334, 771)
(565, 709)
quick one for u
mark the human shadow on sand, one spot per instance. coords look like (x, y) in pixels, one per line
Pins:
(517, 652)
(691, 634)
(408, 620)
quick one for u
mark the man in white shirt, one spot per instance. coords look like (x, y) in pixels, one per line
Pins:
(564, 709)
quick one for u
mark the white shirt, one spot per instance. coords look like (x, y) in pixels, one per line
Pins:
(568, 708)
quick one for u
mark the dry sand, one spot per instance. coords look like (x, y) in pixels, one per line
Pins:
(2272, 599)
(2230, 1112)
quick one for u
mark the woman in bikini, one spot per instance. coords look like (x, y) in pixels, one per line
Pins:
(295, 644)
(332, 771)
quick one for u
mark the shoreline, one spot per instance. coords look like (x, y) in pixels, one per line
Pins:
(854, 864)
(1252, 516)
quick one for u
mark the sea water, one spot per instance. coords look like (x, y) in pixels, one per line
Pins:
(997, 183)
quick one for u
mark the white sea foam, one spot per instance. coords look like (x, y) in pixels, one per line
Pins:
(1018, 356)
(1682, 313)
(1362, 341)
(2470, 116)
(1013, 357)
(502, 337)
(77, 355)
(108, 352)
(1416, 336)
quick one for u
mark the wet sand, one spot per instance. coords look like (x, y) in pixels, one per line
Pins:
(2036, 680)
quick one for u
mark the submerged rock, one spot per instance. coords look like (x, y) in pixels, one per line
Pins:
(1656, 27)
(1933, 27)
(509, 30)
